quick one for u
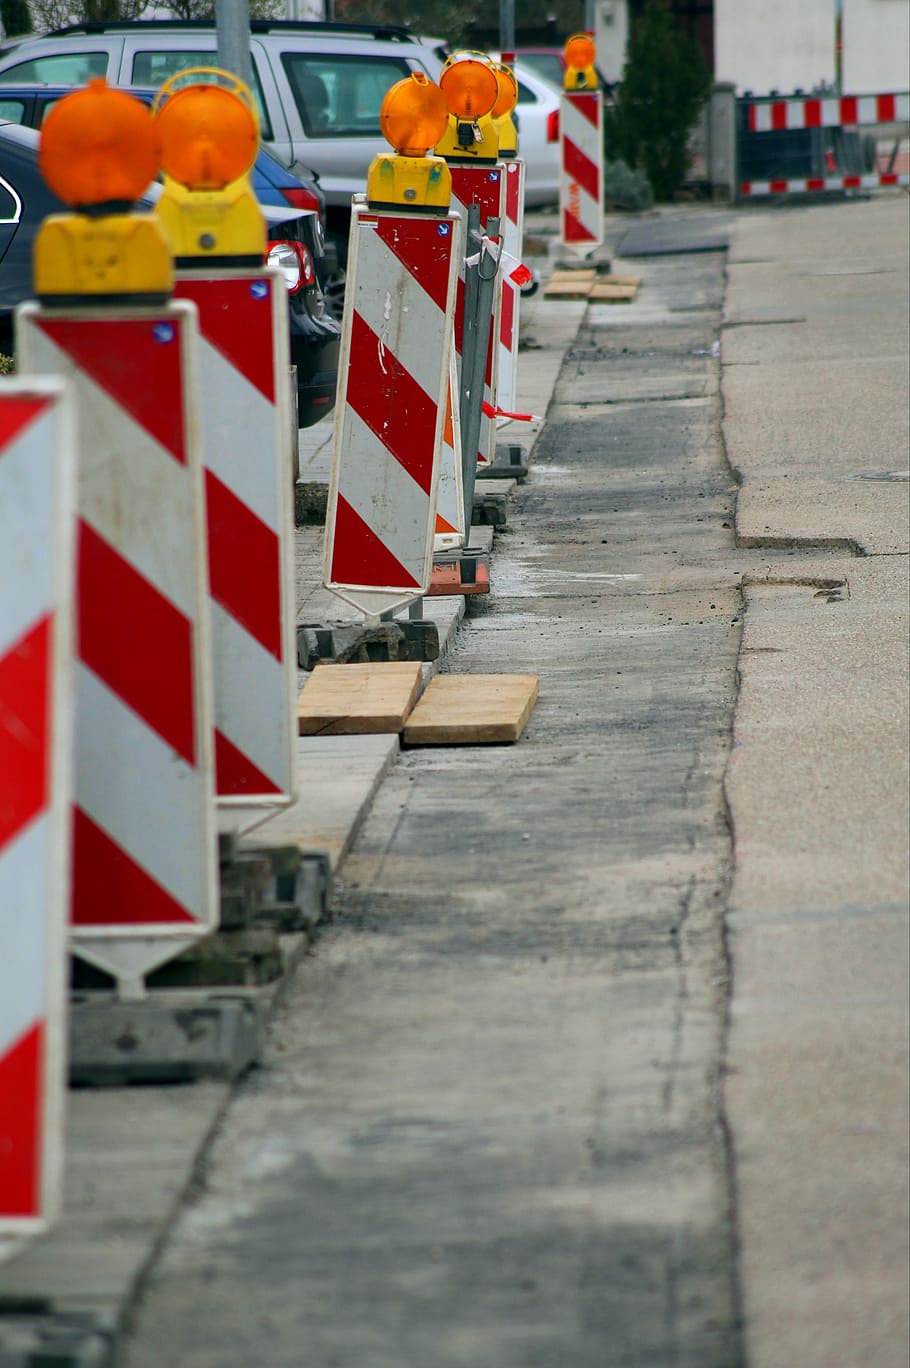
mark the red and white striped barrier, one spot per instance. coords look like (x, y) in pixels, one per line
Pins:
(485, 187)
(774, 116)
(244, 368)
(450, 518)
(391, 407)
(37, 515)
(808, 184)
(144, 845)
(512, 241)
(581, 181)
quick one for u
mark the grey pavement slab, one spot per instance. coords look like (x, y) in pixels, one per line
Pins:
(815, 350)
(816, 1087)
(674, 237)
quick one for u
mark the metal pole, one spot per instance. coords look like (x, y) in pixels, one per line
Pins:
(507, 30)
(475, 347)
(589, 16)
(470, 430)
(232, 20)
(839, 47)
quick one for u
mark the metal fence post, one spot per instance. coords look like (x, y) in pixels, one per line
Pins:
(480, 289)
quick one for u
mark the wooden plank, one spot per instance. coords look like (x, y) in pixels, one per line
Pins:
(613, 294)
(570, 273)
(348, 700)
(464, 710)
(569, 284)
(621, 280)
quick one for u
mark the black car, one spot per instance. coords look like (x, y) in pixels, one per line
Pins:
(295, 243)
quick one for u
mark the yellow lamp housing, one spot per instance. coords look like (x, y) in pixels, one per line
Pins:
(580, 55)
(469, 84)
(99, 150)
(209, 141)
(413, 117)
(503, 109)
(104, 259)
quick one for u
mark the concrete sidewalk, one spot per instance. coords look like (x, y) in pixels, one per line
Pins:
(815, 386)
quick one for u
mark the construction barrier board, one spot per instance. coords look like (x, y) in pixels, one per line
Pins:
(831, 111)
(244, 373)
(812, 184)
(144, 841)
(512, 241)
(485, 187)
(581, 180)
(391, 406)
(37, 524)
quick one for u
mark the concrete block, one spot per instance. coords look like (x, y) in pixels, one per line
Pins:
(53, 1341)
(167, 1038)
(344, 643)
(245, 957)
(510, 462)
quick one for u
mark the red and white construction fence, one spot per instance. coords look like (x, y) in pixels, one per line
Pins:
(845, 111)
(796, 113)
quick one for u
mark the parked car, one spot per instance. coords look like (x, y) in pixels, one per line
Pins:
(294, 246)
(537, 116)
(319, 85)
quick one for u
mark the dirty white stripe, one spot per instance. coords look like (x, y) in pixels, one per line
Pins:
(386, 497)
(131, 490)
(244, 438)
(400, 312)
(253, 699)
(147, 798)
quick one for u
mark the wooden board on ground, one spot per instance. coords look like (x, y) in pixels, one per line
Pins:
(611, 292)
(348, 700)
(569, 284)
(464, 710)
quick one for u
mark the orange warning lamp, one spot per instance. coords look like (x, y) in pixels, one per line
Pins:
(469, 84)
(99, 150)
(413, 117)
(501, 112)
(209, 141)
(209, 137)
(580, 55)
(99, 146)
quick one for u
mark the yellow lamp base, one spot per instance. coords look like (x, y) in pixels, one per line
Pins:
(112, 256)
(213, 225)
(396, 180)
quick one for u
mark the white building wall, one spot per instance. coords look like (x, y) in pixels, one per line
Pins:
(784, 45)
(876, 53)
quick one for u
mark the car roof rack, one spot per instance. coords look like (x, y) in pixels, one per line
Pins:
(388, 32)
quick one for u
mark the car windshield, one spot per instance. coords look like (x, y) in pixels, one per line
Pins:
(153, 68)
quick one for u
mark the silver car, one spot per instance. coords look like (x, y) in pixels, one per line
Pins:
(319, 85)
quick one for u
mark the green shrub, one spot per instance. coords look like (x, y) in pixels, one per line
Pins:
(625, 188)
(664, 85)
(7, 364)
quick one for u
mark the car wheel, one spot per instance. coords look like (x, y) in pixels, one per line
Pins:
(333, 289)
